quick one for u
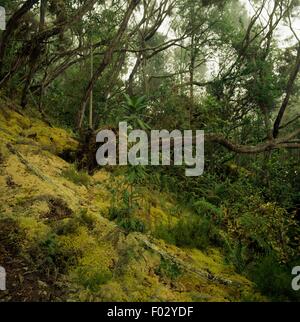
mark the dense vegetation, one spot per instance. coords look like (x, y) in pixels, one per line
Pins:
(228, 67)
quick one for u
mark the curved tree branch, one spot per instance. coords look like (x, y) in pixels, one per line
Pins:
(279, 143)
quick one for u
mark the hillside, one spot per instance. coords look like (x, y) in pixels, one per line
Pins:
(57, 242)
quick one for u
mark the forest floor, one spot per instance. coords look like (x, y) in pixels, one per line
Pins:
(57, 242)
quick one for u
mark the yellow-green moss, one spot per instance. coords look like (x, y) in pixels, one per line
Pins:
(109, 265)
(35, 230)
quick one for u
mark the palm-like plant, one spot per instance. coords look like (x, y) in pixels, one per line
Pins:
(135, 108)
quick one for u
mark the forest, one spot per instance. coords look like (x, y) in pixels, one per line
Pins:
(74, 230)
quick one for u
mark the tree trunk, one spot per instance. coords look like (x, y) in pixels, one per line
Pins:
(91, 94)
(108, 55)
(12, 24)
(43, 8)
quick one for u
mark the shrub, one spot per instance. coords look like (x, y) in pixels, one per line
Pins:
(168, 269)
(72, 225)
(124, 219)
(48, 256)
(192, 231)
(273, 279)
(132, 224)
(262, 228)
(164, 232)
(86, 219)
(92, 279)
(78, 177)
(118, 212)
(196, 232)
(205, 208)
(237, 254)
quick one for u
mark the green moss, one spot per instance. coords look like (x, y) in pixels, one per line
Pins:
(34, 229)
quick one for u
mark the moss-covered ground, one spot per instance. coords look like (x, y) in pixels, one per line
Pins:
(57, 241)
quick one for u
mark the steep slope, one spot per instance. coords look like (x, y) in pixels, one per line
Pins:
(57, 243)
